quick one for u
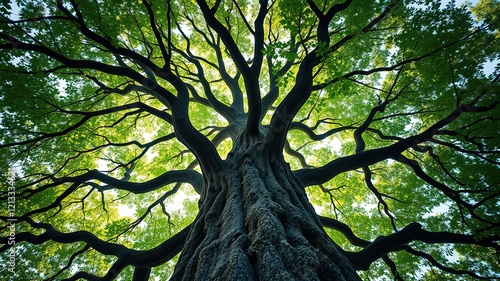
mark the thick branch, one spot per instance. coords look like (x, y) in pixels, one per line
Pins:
(383, 245)
(397, 242)
(141, 274)
(163, 95)
(252, 87)
(226, 37)
(220, 107)
(87, 116)
(200, 145)
(289, 107)
(138, 258)
(323, 174)
(166, 54)
(303, 84)
(189, 176)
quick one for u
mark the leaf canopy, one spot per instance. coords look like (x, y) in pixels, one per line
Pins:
(114, 113)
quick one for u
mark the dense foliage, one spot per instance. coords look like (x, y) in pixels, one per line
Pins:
(113, 111)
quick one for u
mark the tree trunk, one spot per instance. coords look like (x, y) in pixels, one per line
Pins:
(256, 223)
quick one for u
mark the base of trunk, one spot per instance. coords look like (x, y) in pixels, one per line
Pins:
(256, 223)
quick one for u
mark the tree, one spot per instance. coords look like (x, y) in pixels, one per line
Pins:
(261, 140)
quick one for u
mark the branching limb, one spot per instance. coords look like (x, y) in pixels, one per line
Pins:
(450, 193)
(188, 135)
(394, 66)
(398, 241)
(163, 94)
(223, 109)
(220, 67)
(383, 245)
(70, 262)
(368, 157)
(189, 176)
(85, 117)
(442, 267)
(372, 250)
(392, 266)
(250, 78)
(165, 53)
(139, 258)
(157, 202)
(381, 201)
(317, 137)
(290, 151)
(226, 37)
(253, 87)
(301, 91)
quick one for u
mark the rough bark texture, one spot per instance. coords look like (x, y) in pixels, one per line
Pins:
(256, 223)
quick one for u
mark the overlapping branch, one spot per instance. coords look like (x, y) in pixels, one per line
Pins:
(368, 157)
(137, 258)
(399, 241)
(178, 104)
(249, 74)
(303, 87)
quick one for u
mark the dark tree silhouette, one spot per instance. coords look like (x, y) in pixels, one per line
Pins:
(249, 140)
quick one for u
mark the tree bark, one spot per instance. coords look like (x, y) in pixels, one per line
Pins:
(256, 223)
